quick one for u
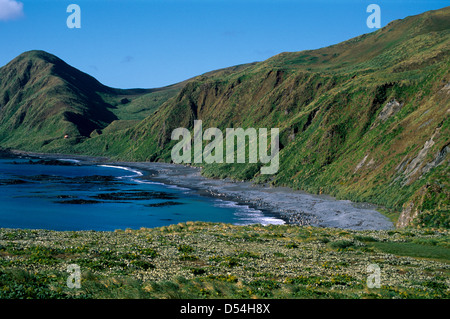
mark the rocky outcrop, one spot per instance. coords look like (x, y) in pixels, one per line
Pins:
(412, 170)
(446, 88)
(390, 109)
(440, 157)
(408, 214)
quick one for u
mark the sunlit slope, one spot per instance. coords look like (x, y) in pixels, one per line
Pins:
(366, 119)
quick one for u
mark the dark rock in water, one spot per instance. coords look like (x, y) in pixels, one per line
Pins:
(94, 178)
(169, 203)
(44, 178)
(5, 153)
(12, 181)
(78, 201)
(48, 162)
(75, 180)
(134, 195)
(64, 196)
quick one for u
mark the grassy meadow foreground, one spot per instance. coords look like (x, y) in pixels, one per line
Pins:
(214, 260)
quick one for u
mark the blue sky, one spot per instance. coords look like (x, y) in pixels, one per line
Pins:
(153, 43)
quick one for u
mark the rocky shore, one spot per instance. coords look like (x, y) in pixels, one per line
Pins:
(291, 206)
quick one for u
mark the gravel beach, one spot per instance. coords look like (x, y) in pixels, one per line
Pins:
(294, 207)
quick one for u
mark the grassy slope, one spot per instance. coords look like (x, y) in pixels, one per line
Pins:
(42, 98)
(330, 106)
(206, 260)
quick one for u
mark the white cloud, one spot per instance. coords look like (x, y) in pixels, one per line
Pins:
(10, 9)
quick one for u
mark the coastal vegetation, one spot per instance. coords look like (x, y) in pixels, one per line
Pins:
(215, 260)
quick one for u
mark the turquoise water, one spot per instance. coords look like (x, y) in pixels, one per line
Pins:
(103, 198)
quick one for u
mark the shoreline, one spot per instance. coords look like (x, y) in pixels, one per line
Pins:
(291, 206)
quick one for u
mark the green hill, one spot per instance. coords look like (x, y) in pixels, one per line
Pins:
(366, 119)
(42, 99)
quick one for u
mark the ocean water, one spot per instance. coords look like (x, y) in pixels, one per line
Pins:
(104, 198)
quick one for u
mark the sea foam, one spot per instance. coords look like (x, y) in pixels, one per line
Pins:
(138, 173)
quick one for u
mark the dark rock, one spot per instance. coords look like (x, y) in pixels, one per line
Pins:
(48, 162)
(78, 201)
(12, 181)
(94, 178)
(168, 203)
(64, 196)
(5, 153)
(134, 195)
(43, 178)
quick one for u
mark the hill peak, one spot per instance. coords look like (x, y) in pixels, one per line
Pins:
(36, 56)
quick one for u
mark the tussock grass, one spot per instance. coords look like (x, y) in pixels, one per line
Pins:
(214, 260)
